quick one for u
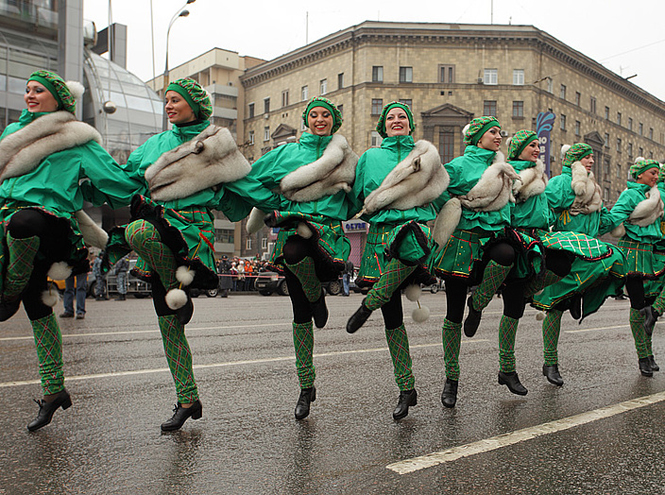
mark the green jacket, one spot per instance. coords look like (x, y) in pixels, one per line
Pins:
(465, 172)
(373, 167)
(534, 212)
(628, 200)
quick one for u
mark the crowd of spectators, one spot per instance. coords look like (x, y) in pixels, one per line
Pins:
(239, 274)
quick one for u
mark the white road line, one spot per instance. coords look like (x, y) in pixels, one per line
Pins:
(501, 441)
(223, 365)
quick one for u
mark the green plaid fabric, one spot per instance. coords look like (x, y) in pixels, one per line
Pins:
(22, 253)
(636, 321)
(306, 273)
(580, 245)
(536, 284)
(179, 358)
(452, 340)
(392, 278)
(638, 258)
(551, 331)
(493, 277)
(48, 341)
(398, 344)
(507, 332)
(143, 238)
(303, 342)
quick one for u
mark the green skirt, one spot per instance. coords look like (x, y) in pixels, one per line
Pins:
(330, 247)
(580, 245)
(653, 287)
(639, 259)
(411, 243)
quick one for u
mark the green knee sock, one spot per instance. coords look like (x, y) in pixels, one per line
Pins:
(636, 321)
(398, 344)
(395, 274)
(303, 342)
(306, 274)
(48, 341)
(551, 331)
(537, 284)
(179, 358)
(22, 254)
(493, 277)
(146, 241)
(452, 339)
(659, 303)
(507, 332)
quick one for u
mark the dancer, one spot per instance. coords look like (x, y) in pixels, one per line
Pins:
(397, 183)
(315, 175)
(43, 159)
(657, 286)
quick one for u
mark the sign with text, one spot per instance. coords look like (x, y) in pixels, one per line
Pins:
(355, 226)
(544, 124)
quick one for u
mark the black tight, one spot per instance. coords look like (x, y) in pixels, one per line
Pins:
(635, 289)
(455, 298)
(302, 309)
(295, 249)
(558, 262)
(502, 253)
(393, 316)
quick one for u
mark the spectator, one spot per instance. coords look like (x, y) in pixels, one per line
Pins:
(121, 270)
(241, 275)
(346, 277)
(78, 283)
(224, 269)
(234, 275)
(100, 278)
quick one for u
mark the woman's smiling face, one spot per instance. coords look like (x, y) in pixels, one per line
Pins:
(397, 123)
(320, 121)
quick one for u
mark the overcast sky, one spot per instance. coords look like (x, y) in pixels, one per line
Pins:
(625, 36)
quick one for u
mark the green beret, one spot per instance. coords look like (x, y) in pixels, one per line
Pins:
(197, 97)
(320, 101)
(57, 86)
(642, 165)
(576, 152)
(479, 126)
(519, 142)
(381, 125)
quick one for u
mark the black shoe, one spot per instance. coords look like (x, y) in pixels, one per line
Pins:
(9, 307)
(358, 318)
(307, 396)
(472, 321)
(512, 381)
(449, 394)
(182, 414)
(407, 398)
(645, 366)
(650, 317)
(47, 409)
(551, 372)
(652, 362)
(320, 311)
(576, 307)
(67, 315)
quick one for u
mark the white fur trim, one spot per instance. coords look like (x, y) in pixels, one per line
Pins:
(420, 314)
(50, 297)
(176, 298)
(494, 189)
(619, 231)
(413, 292)
(75, 88)
(648, 210)
(59, 270)
(534, 180)
(304, 231)
(564, 150)
(255, 221)
(446, 221)
(184, 275)
(588, 195)
(540, 316)
(93, 234)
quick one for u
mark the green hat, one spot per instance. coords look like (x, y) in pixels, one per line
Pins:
(197, 97)
(519, 142)
(381, 124)
(65, 93)
(575, 153)
(320, 101)
(479, 126)
(642, 165)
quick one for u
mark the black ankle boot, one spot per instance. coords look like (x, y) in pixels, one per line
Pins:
(9, 307)
(551, 372)
(182, 414)
(576, 307)
(449, 394)
(512, 381)
(652, 362)
(407, 398)
(472, 321)
(185, 313)
(645, 366)
(650, 317)
(358, 318)
(320, 311)
(47, 409)
(307, 396)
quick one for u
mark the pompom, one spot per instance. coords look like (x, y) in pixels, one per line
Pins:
(59, 270)
(50, 297)
(564, 150)
(640, 159)
(466, 128)
(413, 292)
(255, 221)
(184, 275)
(540, 316)
(420, 314)
(304, 231)
(510, 140)
(176, 298)
(76, 89)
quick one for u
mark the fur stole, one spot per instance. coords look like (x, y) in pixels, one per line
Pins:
(333, 172)
(417, 180)
(23, 150)
(533, 183)
(93, 234)
(645, 213)
(588, 195)
(205, 161)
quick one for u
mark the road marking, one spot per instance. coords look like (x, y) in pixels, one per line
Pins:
(507, 439)
(224, 365)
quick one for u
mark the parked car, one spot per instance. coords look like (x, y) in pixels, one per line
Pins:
(268, 282)
(135, 286)
(59, 285)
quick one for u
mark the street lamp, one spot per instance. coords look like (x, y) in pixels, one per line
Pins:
(179, 13)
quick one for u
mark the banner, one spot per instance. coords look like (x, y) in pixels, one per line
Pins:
(544, 124)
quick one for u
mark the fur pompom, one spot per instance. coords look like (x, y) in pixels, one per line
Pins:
(564, 150)
(540, 316)
(639, 159)
(255, 221)
(59, 270)
(50, 297)
(176, 298)
(466, 128)
(420, 314)
(413, 292)
(184, 275)
(304, 231)
(75, 88)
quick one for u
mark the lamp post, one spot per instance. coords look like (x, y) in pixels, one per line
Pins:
(179, 13)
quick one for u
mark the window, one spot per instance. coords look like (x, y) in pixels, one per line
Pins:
(251, 138)
(407, 102)
(641, 152)
(250, 110)
(641, 129)
(518, 77)
(377, 73)
(340, 80)
(651, 133)
(550, 85)
(518, 109)
(377, 106)
(619, 174)
(592, 104)
(266, 105)
(578, 128)
(341, 110)
(376, 140)
(630, 150)
(489, 107)
(491, 76)
(606, 140)
(446, 73)
(264, 243)
(562, 122)
(606, 194)
(266, 133)
(447, 146)
(618, 145)
(607, 113)
(304, 93)
(248, 243)
(578, 98)
(562, 92)
(285, 98)
(618, 118)
(323, 86)
(406, 74)
(630, 124)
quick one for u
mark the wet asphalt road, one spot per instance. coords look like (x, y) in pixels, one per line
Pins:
(590, 436)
